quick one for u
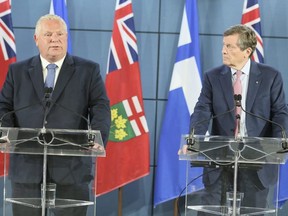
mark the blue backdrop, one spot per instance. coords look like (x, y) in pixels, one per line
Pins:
(157, 24)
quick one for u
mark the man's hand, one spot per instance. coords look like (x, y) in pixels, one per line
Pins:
(4, 139)
(98, 147)
(183, 150)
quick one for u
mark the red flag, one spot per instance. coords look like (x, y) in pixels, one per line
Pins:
(251, 18)
(7, 50)
(127, 152)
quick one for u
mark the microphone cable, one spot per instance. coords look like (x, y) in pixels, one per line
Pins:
(284, 136)
(194, 179)
(190, 140)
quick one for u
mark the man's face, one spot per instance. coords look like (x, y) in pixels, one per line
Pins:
(232, 55)
(52, 40)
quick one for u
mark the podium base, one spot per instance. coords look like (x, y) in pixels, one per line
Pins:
(59, 203)
(223, 210)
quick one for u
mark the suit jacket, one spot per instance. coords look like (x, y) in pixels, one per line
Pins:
(265, 98)
(79, 88)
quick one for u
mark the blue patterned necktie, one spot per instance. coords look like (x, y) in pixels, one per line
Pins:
(49, 82)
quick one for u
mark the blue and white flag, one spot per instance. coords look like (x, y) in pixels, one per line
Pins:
(59, 7)
(283, 189)
(184, 91)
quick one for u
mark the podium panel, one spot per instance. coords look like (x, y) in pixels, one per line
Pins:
(235, 174)
(49, 170)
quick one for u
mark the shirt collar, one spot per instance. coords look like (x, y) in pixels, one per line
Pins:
(245, 69)
(45, 62)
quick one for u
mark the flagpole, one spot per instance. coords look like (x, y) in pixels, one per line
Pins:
(120, 193)
(176, 207)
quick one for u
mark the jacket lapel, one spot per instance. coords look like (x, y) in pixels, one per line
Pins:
(36, 76)
(66, 72)
(226, 85)
(255, 78)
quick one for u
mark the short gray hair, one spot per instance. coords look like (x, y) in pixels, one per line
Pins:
(49, 17)
(247, 36)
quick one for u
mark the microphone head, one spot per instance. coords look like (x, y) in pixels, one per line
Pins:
(237, 99)
(284, 144)
(190, 141)
(48, 90)
(90, 139)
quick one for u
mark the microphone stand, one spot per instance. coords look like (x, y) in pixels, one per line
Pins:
(238, 136)
(237, 99)
(284, 136)
(90, 135)
(47, 103)
(238, 139)
(191, 140)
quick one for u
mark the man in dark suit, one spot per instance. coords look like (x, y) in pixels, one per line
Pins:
(262, 95)
(78, 91)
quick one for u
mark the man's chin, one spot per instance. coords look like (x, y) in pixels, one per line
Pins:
(55, 56)
(228, 64)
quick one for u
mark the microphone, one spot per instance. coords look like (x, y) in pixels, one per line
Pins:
(237, 99)
(190, 140)
(46, 99)
(90, 136)
(48, 96)
(284, 136)
(15, 111)
(238, 121)
(47, 102)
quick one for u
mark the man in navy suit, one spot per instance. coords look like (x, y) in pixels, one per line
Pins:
(78, 91)
(262, 95)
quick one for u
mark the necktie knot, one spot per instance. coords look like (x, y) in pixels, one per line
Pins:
(237, 83)
(51, 66)
(49, 82)
(238, 74)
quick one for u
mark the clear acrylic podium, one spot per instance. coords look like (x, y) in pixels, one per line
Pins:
(46, 143)
(219, 151)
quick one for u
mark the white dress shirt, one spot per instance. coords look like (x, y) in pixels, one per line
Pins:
(45, 71)
(244, 81)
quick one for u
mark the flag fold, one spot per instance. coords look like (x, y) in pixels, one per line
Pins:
(183, 94)
(59, 7)
(128, 146)
(251, 18)
(7, 52)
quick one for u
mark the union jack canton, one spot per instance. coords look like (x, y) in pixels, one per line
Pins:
(124, 31)
(251, 18)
